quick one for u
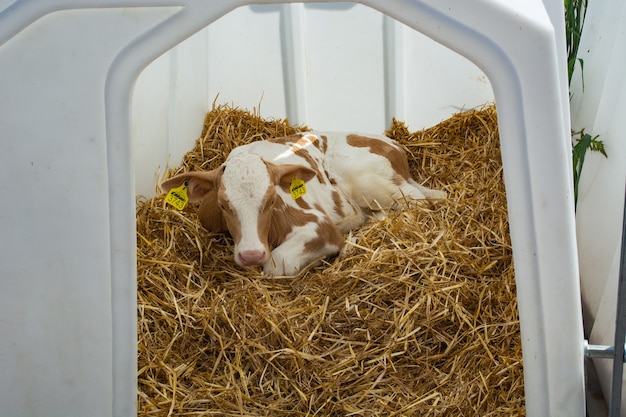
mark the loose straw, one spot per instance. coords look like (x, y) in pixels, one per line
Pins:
(417, 316)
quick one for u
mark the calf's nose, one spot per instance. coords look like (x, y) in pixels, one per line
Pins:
(252, 257)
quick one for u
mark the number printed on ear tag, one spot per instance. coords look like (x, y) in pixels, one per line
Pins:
(297, 188)
(177, 197)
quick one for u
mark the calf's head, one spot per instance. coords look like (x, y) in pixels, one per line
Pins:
(241, 196)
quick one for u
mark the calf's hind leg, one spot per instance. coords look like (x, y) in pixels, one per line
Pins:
(410, 187)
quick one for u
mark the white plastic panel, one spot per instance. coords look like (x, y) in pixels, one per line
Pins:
(56, 353)
(599, 108)
(345, 68)
(245, 63)
(82, 136)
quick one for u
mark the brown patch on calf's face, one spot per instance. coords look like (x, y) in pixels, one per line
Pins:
(266, 215)
(395, 155)
(230, 221)
(210, 214)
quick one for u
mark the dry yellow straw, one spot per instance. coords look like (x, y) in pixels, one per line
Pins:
(417, 316)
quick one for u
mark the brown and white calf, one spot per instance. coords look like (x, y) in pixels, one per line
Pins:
(256, 195)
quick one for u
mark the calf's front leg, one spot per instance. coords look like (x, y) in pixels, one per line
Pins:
(302, 246)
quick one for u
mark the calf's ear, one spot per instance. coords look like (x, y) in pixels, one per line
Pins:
(283, 174)
(200, 183)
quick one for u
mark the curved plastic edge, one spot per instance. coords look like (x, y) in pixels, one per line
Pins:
(523, 69)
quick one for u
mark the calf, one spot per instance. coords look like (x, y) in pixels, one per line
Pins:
(287, 201)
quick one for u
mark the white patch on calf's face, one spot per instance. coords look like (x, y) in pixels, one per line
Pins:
(246, 194)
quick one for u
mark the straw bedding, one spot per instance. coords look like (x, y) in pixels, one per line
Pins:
(417, 316)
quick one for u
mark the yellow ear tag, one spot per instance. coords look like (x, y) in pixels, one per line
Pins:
(297, 188)
(177, 197)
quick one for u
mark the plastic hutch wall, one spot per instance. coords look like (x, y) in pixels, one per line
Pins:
(599, 108)
(83, 130)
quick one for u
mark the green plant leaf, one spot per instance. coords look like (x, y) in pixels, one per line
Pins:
(584, 143)
(575, 11)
